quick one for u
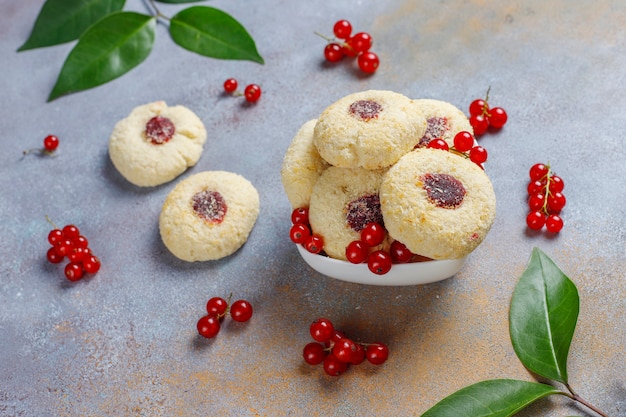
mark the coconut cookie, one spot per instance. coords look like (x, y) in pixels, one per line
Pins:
(370, 129)
(438, 204)
(156, 143)
(443, 121)
(343, 201)
(208, 216)
(302, 166)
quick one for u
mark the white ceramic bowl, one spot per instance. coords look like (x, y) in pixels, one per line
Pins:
(400, 274)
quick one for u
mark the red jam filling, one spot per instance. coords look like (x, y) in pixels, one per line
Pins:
(363, 210)
(209, 206)
(436, 127)
(159, 130)
(365, 109)
(443, 190)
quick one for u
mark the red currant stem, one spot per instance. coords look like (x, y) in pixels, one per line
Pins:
(546, 188)
(49, 220)
(325, 37)
(486, 106)
(457, 152)
(42, 151)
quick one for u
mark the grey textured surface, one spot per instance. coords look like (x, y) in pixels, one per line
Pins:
(124, 342)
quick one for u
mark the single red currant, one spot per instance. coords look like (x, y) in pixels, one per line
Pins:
(50, 143)
(54, 236)
(313, 353)
(91, 263)
(230, 85)
(535, 187)
(360, 42)
(535, 220)
(368, 62)
(399, 252)
(300, 215)
(438, 144)
(208, 326)
(334, 338)
(478, 155)
(556, 184)
(377, 353)
(74, 271)
(342, 29)
(357, 251)
(299, 233)
(333, 366)
(556, 202)
(77, 254)
(70, 231)
(478, 107)
(497, 117)
(216, 306)
(536, 201)
(314, 243)
(538, 172)
(344, 349)
(333, 52)
(379, 262)
(358, 356)
(554, 223)
(322, 330)
(241, 311)
(252, 93)
(80, 242)
(53, 257)
(479, 123)
(64, 246)
(463, 141)
(373, 234)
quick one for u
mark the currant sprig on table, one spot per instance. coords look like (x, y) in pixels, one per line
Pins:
(68, 242)
(337, 352)
(345, 44)
(464, 145)
(217, 308)
(50, 145)
(482, 117)
(252, 92)
(545, 199)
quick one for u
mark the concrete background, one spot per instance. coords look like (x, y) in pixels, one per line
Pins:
(124, 342)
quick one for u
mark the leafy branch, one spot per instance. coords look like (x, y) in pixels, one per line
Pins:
(111, 41)
(542, 319)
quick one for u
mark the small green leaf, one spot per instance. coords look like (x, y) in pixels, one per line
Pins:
(542, 317)
(61, 21)
(213, 33)
(492, 398)
(108, 49)
(179, 1)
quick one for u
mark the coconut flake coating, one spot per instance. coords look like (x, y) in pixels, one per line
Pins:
(444, 120)
(423, 226)
(384, 126)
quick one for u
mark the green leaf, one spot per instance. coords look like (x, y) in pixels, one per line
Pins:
(213, 33)
(492, 398)
(542, 317)
(61, 21)
(108, 49)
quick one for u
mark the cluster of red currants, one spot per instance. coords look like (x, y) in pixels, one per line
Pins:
(464, 145)
(50, 144)
(217, 308)
(482, 117)
(252, 92)
(68, 242)
(347, 45)
(300, 232)
(545, 199)
(337, 352)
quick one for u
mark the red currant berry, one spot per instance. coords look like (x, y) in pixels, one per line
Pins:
(314, 243)
(241, 311)
(368, 62)
(313, 353)
(53, 257)
(536, 201)
(497, 117)
(70, 231)
(64, 246)
(91, 263)
(399, 252)
(478, 107)
(252, 93)
(322, 330)
(230, 85)
(77, 254)
(360, 42)
(300, 215)
(556, 202)
(479, 123)
(535, 187)
(538, 172)
(463, 141)
(333, 52)
(74, 271)
(54, 236)
(344, 349)
(358, 356)
(333, 366)
(342, 29)
(556, 184)
(438, 144)
(80, 242)
(377, 353)
(356, 252)
(208, 326)
(299, 233)
(478, 155)
(336, 336)
(216, 306)
(50, 143)
(535, 220)
(373, 234)
(554, 223)
(379, 262)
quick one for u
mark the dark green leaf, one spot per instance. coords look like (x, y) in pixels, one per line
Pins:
(542, 317)
(179, 1)
(107, 50)
(493, 398)
(61, 21)
(213, 33)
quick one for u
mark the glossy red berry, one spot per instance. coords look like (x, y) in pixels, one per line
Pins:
(241, 311)
(556, 184)
(314, 243)
(70, 231)
(535, 220)
(535, 187)
(299, 233)
(300, 215)
(50, 143)
(368, 62)
(91, 263)
(377, 353)
(208, 326)
(478, 154)
(230, 85)
(53, 257)
(344, 349)
(216, 306)
(438, 143)
(313, 353)
(479, 123)
(497, 117)
(322, 330)
(342, 29)
(379, 262)
(358, 356)
(536, 201)
(64, 246)
(80, 242)
(538, 172)
(556, 202)
(373, 234)
(74, 271)
(252, 93)
(54, 236)
(463, 141)
(360, 42)
(399, 252)
(333, 366)
(77, 254)
(357, 251)
(478, 107)
(554, 223)
(333, 52)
